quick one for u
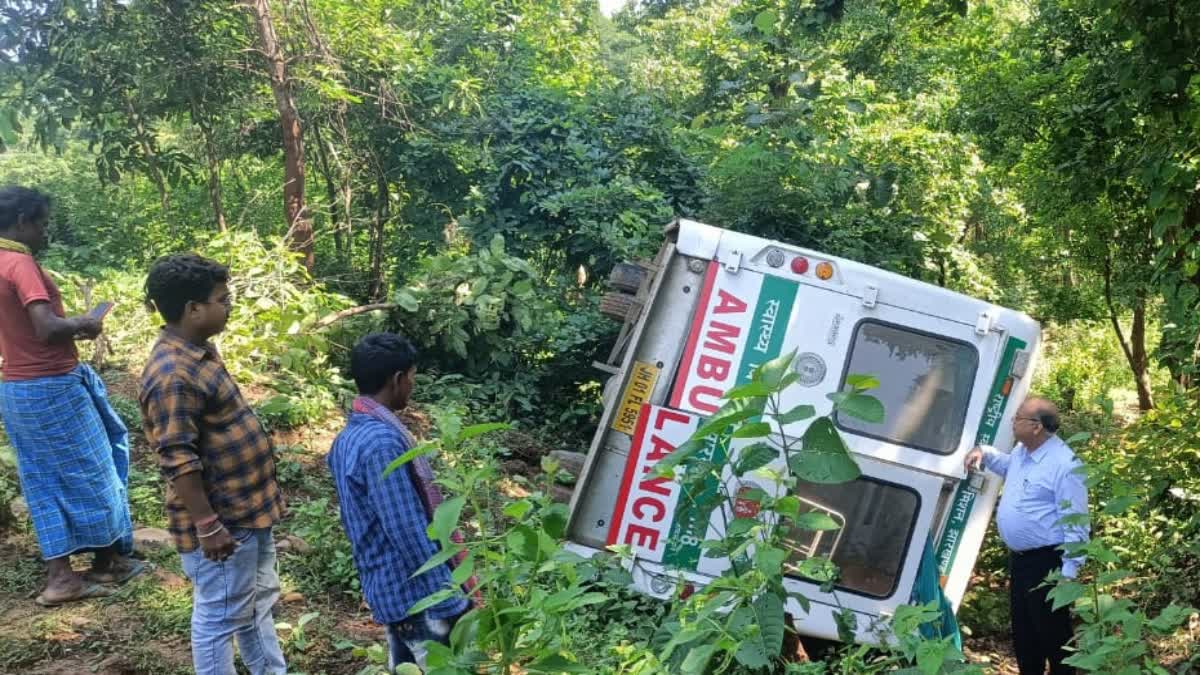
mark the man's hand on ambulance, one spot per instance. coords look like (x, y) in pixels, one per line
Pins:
(974, 459)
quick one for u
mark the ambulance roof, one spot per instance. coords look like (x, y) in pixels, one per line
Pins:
(712, 243)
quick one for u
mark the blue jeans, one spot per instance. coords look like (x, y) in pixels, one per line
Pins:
(234, 599)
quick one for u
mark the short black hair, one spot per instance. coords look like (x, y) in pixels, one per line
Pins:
(17, 202)
(1045, 412)
(377, 358)
(176, 280)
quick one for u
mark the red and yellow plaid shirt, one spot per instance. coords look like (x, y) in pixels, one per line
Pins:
(196, 419)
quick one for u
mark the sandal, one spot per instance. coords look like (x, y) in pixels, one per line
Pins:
(136, 568)
(89, 591)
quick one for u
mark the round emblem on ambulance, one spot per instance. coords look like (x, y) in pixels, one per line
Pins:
(810, 368)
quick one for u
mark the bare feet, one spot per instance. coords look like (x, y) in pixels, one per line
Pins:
(62, 583)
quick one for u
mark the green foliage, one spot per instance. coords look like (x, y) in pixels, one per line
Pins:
(1081, 366)
(543, 606)
(9, 483)
(328, 568)
(479, 306)
(146, 498)
(492, 161)
(1117, 627)
(1144, 475)
(128, 410)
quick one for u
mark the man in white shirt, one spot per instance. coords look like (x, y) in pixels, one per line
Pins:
(1043, 484)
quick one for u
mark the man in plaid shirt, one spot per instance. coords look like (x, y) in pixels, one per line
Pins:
(222, 495)
(387, 518)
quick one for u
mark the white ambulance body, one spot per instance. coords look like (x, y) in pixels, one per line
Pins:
(713, 305)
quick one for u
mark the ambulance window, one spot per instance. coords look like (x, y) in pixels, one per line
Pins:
(877, 521)
(925, 384)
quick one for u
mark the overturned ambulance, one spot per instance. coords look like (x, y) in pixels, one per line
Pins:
(713, 305)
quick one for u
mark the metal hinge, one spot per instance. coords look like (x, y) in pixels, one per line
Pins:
(983, 325)
(870, 296)
(732, 260)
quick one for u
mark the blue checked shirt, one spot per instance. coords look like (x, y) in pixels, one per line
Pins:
(386, 522)
(1040, 488)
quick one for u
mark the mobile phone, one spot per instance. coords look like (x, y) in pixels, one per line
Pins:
(101, 310)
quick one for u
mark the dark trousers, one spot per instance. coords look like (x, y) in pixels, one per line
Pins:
(1039, 634)
(406, 639)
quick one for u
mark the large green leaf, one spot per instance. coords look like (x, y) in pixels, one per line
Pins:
(463, 571)
(1065, 593)
(931, 654)
(862, 382)
(772, 372)
(480, 429)
(665, 467)
(761, 627)
(797, 414)
(439, 558)
(863, 406)
(847, 624)
(754, 457)
(754, 388)
(445, 519)
(431, 600)
(556, 663)
(697, 659)
(824, 457)
(419, 451)
(753, 430)
(816, 521)
(732, 412)
(765, 22)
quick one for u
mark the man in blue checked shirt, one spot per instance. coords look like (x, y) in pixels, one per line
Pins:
(1043, 484)
(386, 518)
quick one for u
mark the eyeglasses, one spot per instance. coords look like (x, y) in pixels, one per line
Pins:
(226, 302)
(1028, 419)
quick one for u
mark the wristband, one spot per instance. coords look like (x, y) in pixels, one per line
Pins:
(206, 521)
(210, 534)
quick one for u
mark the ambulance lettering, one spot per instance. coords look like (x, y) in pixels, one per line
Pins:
(646, 504)
(767, 327)
(717, 341)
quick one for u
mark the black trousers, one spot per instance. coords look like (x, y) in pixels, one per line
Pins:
(1039, 634)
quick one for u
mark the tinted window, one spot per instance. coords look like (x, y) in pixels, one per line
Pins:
(925, 384)
(877, 521)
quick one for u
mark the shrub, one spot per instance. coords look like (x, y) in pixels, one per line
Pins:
(328, 566)
(271, 340)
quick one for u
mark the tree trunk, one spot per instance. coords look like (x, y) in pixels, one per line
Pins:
(1135, 347)
(382, 214)
(147, 145)
(213, 161)
(331, 194)
(300, 230)
(1140, 358)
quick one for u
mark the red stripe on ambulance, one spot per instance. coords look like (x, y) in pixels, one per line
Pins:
(715, 342)
(646, 504)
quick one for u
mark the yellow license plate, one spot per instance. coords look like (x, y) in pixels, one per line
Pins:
(642, 378)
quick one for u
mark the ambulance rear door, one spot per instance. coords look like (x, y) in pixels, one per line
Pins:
(933, 371)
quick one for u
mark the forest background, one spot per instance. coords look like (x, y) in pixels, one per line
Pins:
(468, 172)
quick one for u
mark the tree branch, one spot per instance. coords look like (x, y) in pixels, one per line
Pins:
(331, 319)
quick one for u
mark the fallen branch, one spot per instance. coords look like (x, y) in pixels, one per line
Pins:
(331, 319)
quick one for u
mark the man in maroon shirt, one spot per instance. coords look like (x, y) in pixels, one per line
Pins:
(72, 449)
